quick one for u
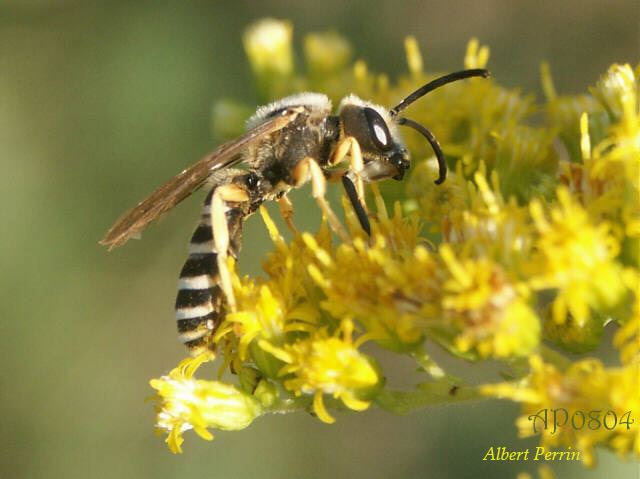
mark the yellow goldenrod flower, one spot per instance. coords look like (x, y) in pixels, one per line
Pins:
(392, 286)
(618, 91)
(268, 46)
(272, 310)
(577, 259)
(188, 367)
(264, 317)
(604, 174)
(326, 53)
(185, 404)
(535, 228)
(616, 158)
(490, 226)
(270, 52)
(441, 206)
(287, 265)
(323, 364)
(593, 406)
(487, 312)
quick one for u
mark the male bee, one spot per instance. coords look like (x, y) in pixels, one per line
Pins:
(288, 143)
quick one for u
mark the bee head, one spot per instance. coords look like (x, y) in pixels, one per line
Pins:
(375, 129)
(383, 151)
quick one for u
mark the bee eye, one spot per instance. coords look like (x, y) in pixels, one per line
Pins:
(378, 129)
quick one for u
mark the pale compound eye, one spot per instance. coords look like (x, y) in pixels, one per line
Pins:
(380, 134)
(378, 129)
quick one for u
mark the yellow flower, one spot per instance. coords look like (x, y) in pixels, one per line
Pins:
(392, 287)
(323, 364)
(492, 254)
(269, 49)
(604, 174)
(271, 309)
(266, 317)
(326, 53)
(287, 265)
(442, 206)
(487, 311)
(268, 46)
(184, 403)
(587, 392)
(618, 91)
(576, 258)
(490, 226)
(615, 159)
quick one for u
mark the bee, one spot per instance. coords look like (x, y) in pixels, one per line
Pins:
(288, 143)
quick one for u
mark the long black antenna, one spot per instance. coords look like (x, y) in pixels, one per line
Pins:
(350, 188)
(442, 164)
(437, 83)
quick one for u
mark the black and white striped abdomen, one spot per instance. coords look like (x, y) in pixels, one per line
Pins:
(200, 301)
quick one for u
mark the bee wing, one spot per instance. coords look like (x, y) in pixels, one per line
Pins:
(135, 220)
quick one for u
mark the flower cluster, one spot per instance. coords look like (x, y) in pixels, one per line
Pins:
(531, 243)
(593, 405)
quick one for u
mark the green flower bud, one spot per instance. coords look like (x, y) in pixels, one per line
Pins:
(326, 52)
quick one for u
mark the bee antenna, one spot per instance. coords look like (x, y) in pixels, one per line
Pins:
(437, 83)
(424, 131)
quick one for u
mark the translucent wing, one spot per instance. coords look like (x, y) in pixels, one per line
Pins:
(133, 221)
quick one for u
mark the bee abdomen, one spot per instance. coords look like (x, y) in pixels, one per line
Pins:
(199, 299)
(201, 303)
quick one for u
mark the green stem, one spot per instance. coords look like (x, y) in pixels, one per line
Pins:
(428, 364)
(286, 405)
(427, 394)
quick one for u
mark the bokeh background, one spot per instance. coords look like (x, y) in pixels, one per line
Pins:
(102, 101)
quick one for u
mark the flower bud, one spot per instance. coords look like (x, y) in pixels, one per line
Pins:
(617, 91)
(326, 52)
(185, 404)
(268, 46)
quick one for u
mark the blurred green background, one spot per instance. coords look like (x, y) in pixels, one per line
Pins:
(102, 101)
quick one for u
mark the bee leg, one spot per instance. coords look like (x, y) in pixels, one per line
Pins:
(355, 202)
(221, 196)
(350, 146)
(335, 175)
(286, 211)
(308, 169)
(351, 179)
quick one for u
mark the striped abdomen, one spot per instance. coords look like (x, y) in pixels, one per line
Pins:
(201, 303)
